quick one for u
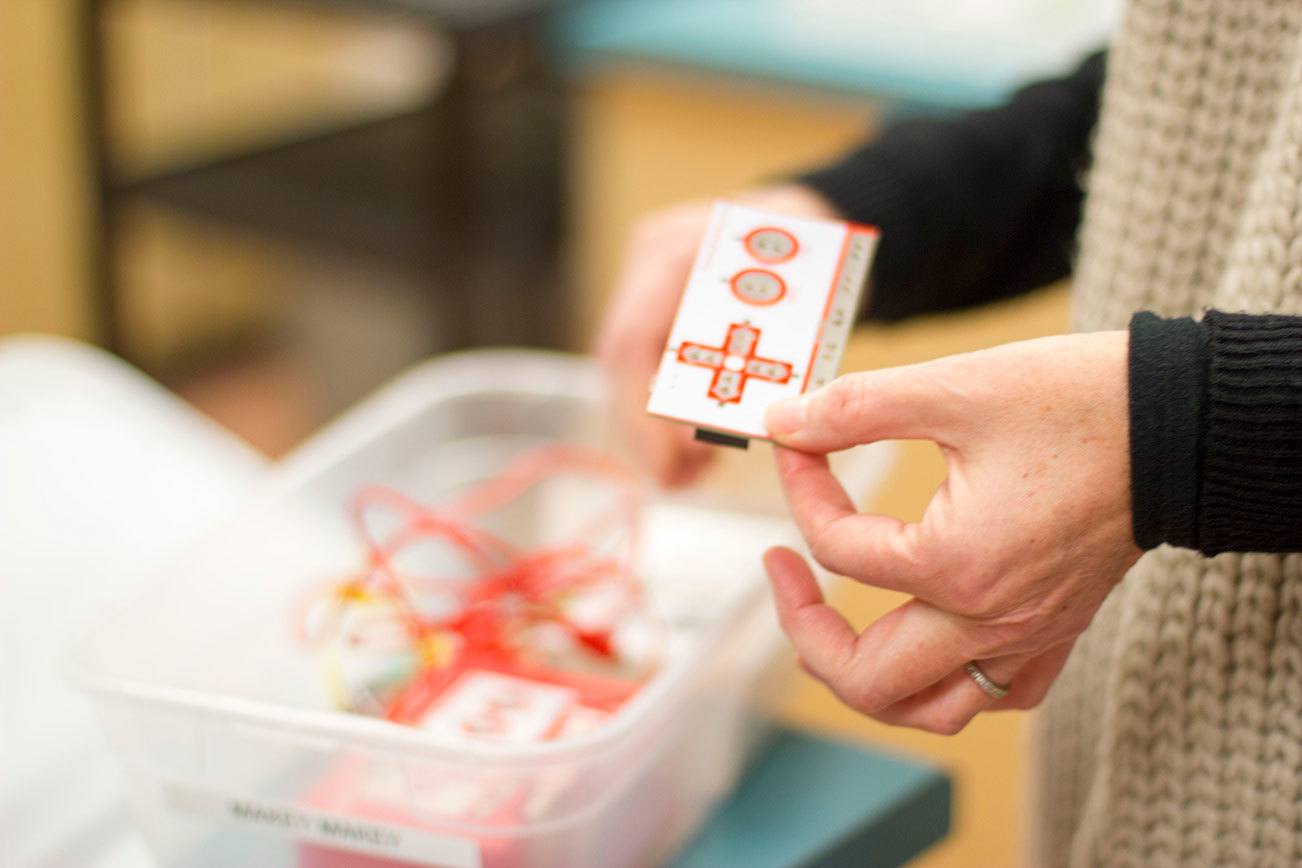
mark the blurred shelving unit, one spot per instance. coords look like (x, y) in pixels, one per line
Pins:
(453, 185)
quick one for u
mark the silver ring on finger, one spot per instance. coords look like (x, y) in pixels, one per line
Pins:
(985, 682)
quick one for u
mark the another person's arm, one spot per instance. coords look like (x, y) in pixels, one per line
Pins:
(973, 207)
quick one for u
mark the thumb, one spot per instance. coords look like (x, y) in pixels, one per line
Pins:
(904, 403)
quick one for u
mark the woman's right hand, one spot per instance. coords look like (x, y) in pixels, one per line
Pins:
(632, 339)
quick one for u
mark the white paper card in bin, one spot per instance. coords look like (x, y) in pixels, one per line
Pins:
(766, 314)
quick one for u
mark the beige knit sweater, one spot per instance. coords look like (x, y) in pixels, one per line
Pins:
(1174, 735)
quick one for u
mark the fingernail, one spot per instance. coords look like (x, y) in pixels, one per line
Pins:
(786, 416)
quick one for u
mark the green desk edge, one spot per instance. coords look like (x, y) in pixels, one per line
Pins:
(811, 801)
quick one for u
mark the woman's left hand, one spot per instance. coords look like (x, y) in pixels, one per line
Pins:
(1016, 551)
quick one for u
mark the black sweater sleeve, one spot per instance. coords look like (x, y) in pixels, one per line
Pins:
(974, 207)
(1216, 432)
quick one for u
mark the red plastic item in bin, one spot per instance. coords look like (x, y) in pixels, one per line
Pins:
(485, 699)
(520, 610)
(496, 696)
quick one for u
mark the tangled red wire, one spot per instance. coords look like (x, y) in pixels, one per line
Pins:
(483, 619)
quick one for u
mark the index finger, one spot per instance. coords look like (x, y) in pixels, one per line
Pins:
(874, 549)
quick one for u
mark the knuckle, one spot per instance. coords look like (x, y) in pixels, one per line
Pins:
(911, 551)
(861, 697)
(845, 397)
(788, 620)
(1026, 703)
(823, 550)
(969, 599)
(980, 596)
(947, 723)
(999, 639)
(1024, 697)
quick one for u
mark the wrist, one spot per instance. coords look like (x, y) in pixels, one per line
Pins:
(1167, 372)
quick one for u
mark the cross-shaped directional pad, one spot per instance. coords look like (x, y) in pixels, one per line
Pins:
(734, 363)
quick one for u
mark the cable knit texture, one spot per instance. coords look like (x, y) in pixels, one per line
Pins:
(1174, 735)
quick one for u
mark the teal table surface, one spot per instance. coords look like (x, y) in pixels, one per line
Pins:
(926, 53)
(810, 801)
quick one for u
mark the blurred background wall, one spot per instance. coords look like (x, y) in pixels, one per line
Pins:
(275, 206)
(43, 232)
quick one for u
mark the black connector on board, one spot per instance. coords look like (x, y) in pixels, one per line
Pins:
(714, 437)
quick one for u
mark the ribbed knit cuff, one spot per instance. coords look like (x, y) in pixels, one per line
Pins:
(1251, 498)
(1168, 368)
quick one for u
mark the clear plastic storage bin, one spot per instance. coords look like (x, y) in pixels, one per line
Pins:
(236, 757)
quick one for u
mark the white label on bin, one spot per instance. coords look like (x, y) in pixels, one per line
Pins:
(331, 830)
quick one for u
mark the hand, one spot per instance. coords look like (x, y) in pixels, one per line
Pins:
(632, 338)
(1016, 551)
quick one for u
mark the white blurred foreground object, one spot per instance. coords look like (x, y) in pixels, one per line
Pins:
(766, 314)
(103, 474)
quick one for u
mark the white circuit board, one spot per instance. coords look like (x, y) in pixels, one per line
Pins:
(765, 315)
